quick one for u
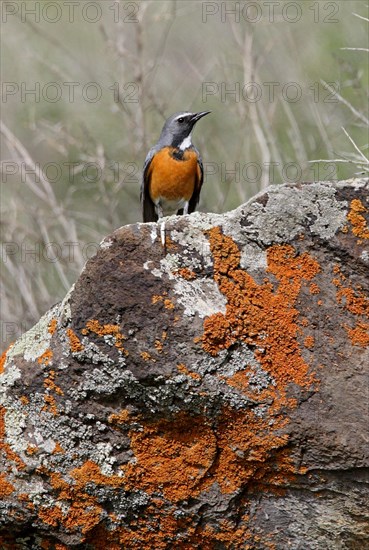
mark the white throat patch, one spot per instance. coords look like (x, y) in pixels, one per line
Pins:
(187, 142)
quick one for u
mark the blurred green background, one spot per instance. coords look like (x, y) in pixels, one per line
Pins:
(86, 87)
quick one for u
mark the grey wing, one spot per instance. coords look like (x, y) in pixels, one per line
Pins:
(198, 184)
(148, 207)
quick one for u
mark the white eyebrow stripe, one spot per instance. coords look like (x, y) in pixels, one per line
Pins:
(182, 114)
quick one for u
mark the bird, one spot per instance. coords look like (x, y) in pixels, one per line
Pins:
(173, 171)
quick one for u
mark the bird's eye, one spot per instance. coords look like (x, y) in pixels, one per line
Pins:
(180, 119)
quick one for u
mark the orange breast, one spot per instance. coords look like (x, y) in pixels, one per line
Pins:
(173, 179)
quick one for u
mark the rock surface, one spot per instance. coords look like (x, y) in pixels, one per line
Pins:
(211, 395)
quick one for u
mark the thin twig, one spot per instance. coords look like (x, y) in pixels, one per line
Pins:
(48, 195)
(360, 17)
(345, 102)
(356, 49)
(343, 161)
(356, 147)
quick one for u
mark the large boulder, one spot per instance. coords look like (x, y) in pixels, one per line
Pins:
(211, 393)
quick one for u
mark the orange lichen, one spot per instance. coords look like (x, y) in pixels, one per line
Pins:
(52, 326)
(357, 304)
(45, 358)
(358, 222)
(101, 330)
(119, 418)
(145, 356)
(309, 342)
(240, 380)
(94, 326)
(258, 314)
(240, 449)
(51, 516)
(159, 344)
(49, 383)
(2, 360)
(359, 335)
(251, 447)
(84, 511)
(173, 455)
(31, 450)
(58, 449)
(185, 273)
(90, 472)
(161, 526)
(50, 405)
(85, 517)
(170, 244)
(248, 449)
(168, 304)
(57, 482)
(24, 400)
(74, 341)
(230, 536)
(184, 370)
(23, 497)
(337, 270)
(6, 488)
(314, 289)
(50, 401)
(184, 456)
(157, 298)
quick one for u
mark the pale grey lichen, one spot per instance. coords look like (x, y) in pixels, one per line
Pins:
(289, 210)
(236, 361)
(35, 341)
(355, 183)
(259, 379)
(15, 421)
(104, 380)
(7, 379)
(106, 243)
(365, 256)
(48, 445)
(101, 454)
(201, 296)
(253, 258)
(196, 247)
(170, 263)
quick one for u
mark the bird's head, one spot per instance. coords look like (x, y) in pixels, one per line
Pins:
(177, 129)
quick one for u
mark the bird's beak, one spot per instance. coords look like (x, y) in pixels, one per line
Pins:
(197, 116)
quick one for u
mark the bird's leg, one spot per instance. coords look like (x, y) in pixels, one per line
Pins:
(162, 233)
(185, 208)
(160, 213)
